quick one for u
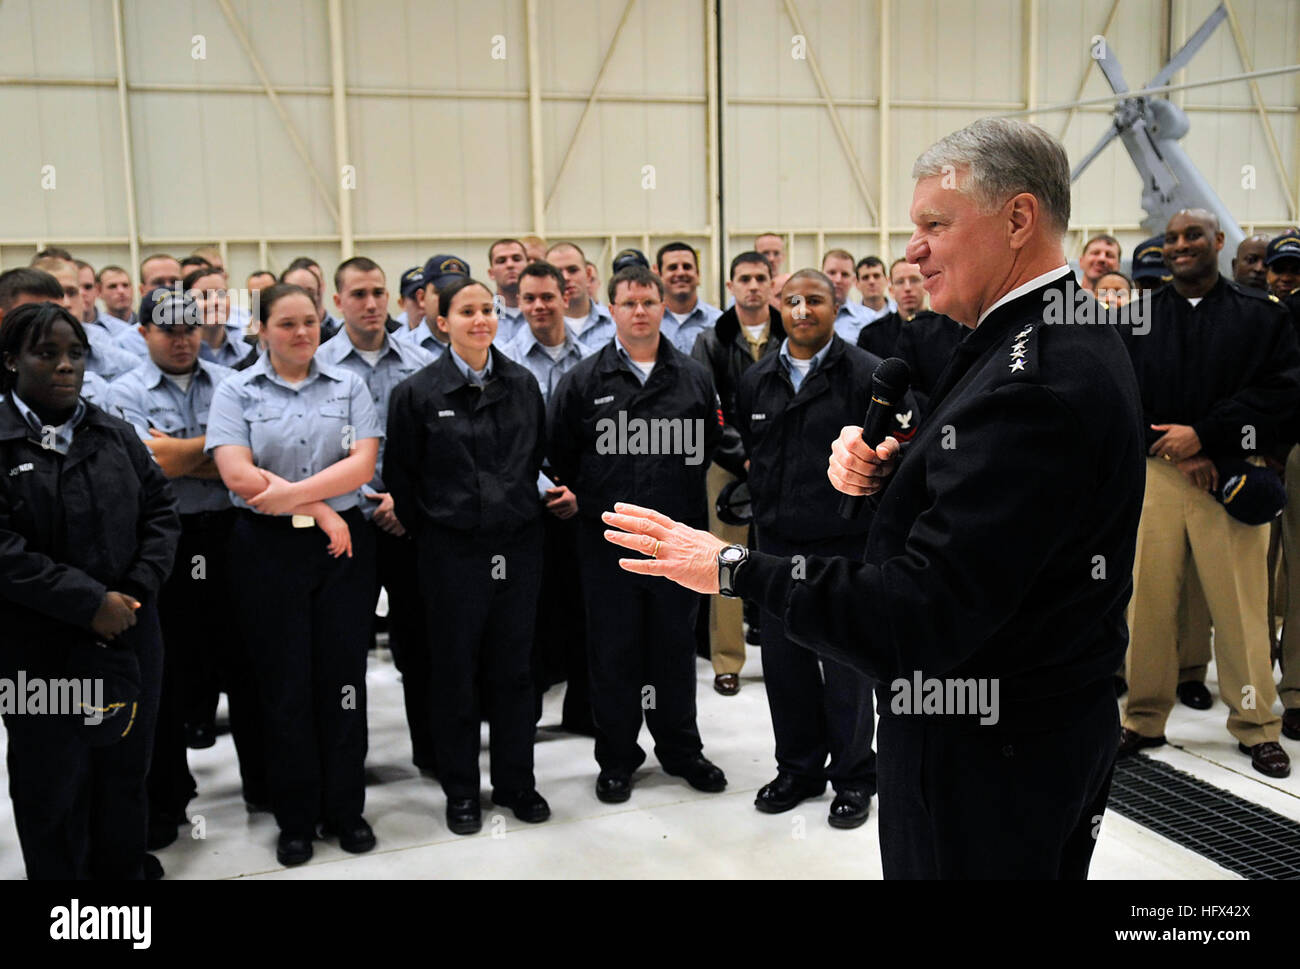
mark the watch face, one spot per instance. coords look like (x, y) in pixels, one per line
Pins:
(732, 554)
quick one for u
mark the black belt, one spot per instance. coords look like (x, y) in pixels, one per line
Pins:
(207, 519)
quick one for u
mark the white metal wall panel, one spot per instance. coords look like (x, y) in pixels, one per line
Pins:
(219, 165)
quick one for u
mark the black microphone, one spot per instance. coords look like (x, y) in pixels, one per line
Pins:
(888, 385)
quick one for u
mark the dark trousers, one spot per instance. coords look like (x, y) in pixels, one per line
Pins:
(641, 646)
(999, 801)
(194, 611)
(306, 617)
(81, 811)
(481, 594)
(560, 651)
(819, 707)
(195, 675)
(397, 572)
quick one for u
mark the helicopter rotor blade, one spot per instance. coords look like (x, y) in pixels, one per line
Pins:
(1114, 74)
(1097, 149)
(1189, 49)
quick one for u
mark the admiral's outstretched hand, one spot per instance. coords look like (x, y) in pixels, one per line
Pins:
(683, 554)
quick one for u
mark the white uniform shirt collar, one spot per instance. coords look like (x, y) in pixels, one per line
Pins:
(1040, 280)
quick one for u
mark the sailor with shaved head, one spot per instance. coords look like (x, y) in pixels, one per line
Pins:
(1248, 264)
(1219, 372)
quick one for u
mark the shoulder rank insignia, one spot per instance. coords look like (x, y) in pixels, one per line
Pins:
(1019, 348)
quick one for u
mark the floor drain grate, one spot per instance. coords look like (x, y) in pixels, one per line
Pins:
(1243, 837)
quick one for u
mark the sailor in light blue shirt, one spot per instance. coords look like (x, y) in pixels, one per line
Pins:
(380, 370)
(546, 363)
(113, 326)
(423, 338)
(686, 316)
(510, 323)
(108, 326)
(178, 405)
(293, 431)
(130, 341)
(850, 318)
(589, 321)
(593, 330)
(682, 328)
(799, 370)
(106, 358)
(233, 349)
(94, 388)
(306, 604)
(506, 260)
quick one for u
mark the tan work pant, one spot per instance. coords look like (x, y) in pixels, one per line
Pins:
(1193, 628)
(1231, 560)
(1289, 689)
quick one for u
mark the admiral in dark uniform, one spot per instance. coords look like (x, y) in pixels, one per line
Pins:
(981, 569)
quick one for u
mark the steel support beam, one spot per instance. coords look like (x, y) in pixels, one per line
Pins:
(885, 129)
(1240, 41)
(716, 242)
(591, 100)
(299, 145)
(855, 166)
(128, 156)
(536, 175)
(342, 149)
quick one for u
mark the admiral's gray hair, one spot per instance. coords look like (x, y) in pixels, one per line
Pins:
(1001, 157)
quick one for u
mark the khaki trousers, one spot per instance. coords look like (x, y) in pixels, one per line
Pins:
(726, 637)
(1231, 560)
(1193, 628)
(1289, 689)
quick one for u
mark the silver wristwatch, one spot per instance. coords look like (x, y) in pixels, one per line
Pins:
(730, 558)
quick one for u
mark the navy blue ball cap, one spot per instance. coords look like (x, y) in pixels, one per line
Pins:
(630, 257)
(442, 269)
(1149, 259)
(170, 307)
(734, 506)
(1285, 246)
(1251, 494)
(113, 673)
(412, 280)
